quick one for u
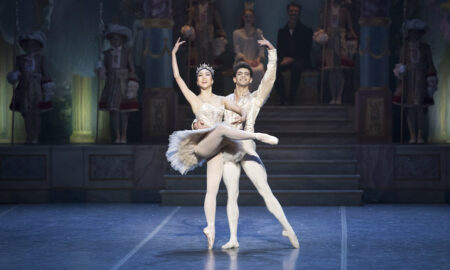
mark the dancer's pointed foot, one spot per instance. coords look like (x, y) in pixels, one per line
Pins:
(292, 238)
(266, 138)
(210, 235)
(231, 244)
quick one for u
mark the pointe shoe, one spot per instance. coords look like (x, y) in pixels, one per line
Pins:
(420, 140)
(412, 140)
(292, 238)
(210, 236)
(338, 102)
(332, 102)
(116, 141)
(231, 244)
(123, 140)
(266, 138)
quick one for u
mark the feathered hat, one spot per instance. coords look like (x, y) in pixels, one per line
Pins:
(118, 29)
(36, 36)
(414, 24)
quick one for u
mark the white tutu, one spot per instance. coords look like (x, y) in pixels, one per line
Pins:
(181, 150)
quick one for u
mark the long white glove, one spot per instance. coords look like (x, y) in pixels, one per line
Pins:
(399, 69)
(132, 89)
(100, 70)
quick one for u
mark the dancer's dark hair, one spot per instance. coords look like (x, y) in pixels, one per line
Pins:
(242, 65)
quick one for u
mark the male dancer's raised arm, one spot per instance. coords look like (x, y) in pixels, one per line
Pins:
(266, 85)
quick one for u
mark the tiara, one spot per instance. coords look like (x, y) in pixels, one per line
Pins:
(249, 5)
(205, 66)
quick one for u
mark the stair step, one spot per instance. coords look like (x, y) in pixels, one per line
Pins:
(316, 111)
(291, 166)
(291, 182)
(251, 197)
(314, 137)
(306, 151)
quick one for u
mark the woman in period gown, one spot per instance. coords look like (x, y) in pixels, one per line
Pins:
(246, 46)
(190, 148)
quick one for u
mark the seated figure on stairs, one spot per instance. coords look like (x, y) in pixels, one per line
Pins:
(294, 52)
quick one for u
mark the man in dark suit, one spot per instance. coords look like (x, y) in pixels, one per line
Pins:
(294, 52)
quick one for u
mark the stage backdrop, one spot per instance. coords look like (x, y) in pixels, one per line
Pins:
(72, 30)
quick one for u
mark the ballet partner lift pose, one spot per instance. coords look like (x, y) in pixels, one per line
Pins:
(188, 149)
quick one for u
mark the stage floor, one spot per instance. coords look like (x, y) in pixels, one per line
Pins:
(148, 236)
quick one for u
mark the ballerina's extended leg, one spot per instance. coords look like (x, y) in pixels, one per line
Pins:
(210, 145)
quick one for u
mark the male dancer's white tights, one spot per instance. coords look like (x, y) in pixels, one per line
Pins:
(257, 174)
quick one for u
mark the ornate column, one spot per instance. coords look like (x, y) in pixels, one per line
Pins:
(159, 100)
(373, 98)
(82, 112)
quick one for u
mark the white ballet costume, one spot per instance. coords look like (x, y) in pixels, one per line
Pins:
(181, 150)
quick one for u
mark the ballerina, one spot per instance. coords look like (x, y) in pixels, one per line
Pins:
(188, 149)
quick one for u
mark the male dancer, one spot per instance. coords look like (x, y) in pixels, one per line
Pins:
(251, 163)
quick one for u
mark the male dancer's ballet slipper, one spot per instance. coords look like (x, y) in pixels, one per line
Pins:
(210, 236)
(292, 238)
(231, 244)
(266, 138)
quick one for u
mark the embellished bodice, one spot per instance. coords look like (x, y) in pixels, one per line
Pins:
(210, 114)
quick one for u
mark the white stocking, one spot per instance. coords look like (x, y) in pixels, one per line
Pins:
(115, 119)
(340, 80)
(36, 124)
(214, 169)
(27, 118)
(231, 173)
(123, 124)
(210, 145)
(258, 176)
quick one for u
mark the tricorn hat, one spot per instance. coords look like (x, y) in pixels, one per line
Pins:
(118, 29)
(36, 36)
(415, 24)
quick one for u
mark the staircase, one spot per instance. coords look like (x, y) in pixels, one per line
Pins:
(312, 165)
(307, 124)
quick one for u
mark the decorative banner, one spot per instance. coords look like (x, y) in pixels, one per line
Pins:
(373, 103)
(374, 43)
(156, 54)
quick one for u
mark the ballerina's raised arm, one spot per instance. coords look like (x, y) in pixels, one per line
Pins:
(192, 98)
